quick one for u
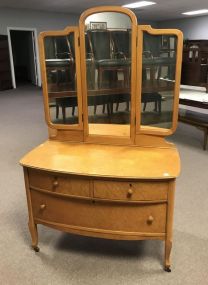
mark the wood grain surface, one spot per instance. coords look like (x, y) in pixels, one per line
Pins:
(105, 160)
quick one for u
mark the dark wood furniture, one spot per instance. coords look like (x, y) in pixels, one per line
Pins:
(152, 97)
(195, 63)
(5, 70)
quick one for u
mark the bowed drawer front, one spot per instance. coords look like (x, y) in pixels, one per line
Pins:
(98, 215)
(87, 203)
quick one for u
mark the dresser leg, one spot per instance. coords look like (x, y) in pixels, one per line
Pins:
(168, 247)
(169, 226)
(31, 224)
(34, 236)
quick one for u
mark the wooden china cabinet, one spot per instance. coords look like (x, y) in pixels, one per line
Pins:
(107, 170)
(195, 63)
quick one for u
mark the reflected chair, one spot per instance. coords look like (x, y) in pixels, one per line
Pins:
(65, 62)
(61, 73)
(122, 43)
(89, 64)
(100, 51)
(152, 97)
(105, 58)
(63, 103)
(149, 75)
(122, 46)
(60, 63)
(106, 61)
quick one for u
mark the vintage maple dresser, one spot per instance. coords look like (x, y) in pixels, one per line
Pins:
(111, 96)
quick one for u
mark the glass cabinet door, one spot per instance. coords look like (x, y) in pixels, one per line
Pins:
(108, 48)
(158, 80)
(61, 78)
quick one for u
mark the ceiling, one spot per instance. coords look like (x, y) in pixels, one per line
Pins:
(164, 10)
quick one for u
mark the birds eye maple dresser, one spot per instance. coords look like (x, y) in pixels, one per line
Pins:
(111, 90)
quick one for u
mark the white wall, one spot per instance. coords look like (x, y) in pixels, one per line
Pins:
(193, 28)
(151, 23)
(42, 21)
(113, 20)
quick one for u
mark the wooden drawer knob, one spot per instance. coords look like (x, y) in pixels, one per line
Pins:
(129, 192)
(42, 206)
(150, 220)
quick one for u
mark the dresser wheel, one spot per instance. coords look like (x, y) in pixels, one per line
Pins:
(36, 248)
(167, 269)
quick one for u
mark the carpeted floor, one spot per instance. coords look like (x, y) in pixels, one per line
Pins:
(74, 260)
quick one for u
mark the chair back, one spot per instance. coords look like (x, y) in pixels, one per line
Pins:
(122, 42)
(49, 48)
(62, 47)
(88, 48)
(101, 46)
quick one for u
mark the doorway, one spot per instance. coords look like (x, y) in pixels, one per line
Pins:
(23, 57)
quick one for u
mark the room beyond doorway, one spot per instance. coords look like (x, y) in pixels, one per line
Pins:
(23, 57)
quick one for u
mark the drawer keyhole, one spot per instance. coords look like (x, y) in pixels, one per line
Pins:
(55, 183)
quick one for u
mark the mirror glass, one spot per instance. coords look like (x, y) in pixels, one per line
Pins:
(61, 79)
(158, 80)
(108, 64)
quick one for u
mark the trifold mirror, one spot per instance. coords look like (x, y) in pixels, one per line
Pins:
(110, 77)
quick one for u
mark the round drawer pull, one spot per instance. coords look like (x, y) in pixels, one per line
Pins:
(42, 206)
(129, 192)
(150, 220)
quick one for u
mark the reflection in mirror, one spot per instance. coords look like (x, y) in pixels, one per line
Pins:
(158, 80)
(61, 79)
(108, 61)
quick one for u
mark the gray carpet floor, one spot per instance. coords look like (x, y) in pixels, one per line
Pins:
(70, 259)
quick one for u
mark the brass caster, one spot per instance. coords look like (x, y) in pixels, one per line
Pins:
(167, 269)
(36, 248)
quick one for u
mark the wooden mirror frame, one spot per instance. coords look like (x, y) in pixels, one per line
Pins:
(42, 37)
(150, 130)
(80, 131)
(108, 138)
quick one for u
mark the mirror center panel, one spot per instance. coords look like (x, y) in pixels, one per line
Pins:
(108, 65)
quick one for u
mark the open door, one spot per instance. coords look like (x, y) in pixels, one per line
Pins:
(23, 57)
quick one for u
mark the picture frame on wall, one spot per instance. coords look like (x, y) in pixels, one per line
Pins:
(98, 25)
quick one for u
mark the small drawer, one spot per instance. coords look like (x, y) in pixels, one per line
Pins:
(62, 184)
(130, 191)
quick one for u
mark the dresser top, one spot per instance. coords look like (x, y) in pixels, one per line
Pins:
(104, 160)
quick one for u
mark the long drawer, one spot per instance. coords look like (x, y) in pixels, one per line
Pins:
(130, 191)
(145, 218)
(57, 183)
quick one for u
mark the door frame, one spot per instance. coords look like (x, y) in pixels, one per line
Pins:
(34, 30)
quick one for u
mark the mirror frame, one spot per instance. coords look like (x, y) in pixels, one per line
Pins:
(64, 32)
(108, 138)
(150, 129)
